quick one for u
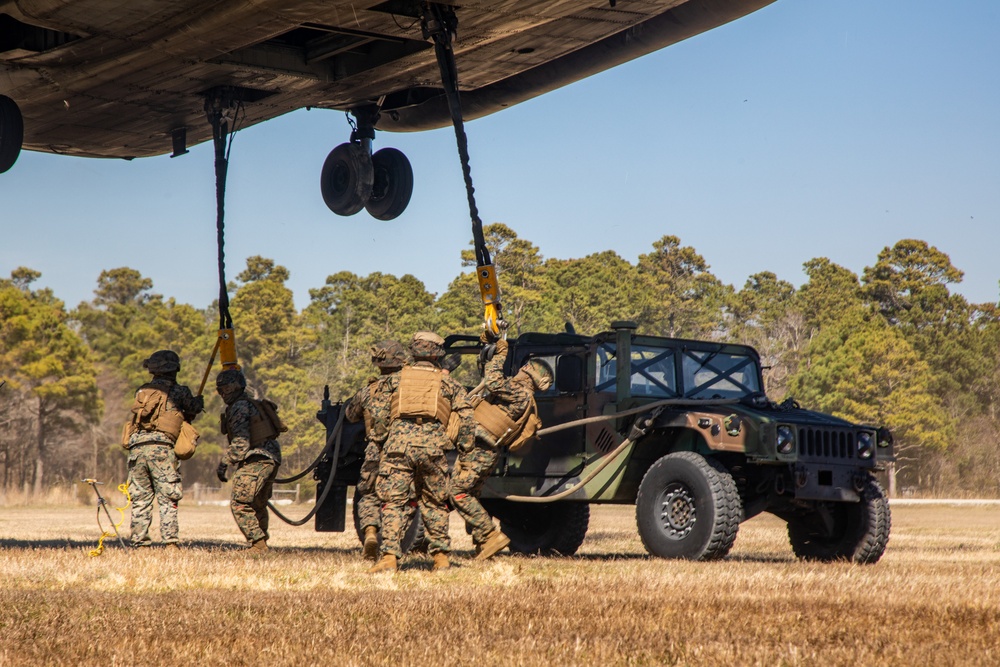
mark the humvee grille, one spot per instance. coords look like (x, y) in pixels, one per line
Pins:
(821, 443)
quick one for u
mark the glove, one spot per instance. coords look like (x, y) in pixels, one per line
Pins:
(501, 346)
(199, 404)
(486, 337)
(220, 472)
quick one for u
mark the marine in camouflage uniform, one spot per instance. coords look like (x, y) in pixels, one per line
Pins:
(153, 469)
(256, 463)
(513, 396)
(413, 461)
(388, 356)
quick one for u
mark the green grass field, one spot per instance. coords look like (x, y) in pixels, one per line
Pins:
(934, 599)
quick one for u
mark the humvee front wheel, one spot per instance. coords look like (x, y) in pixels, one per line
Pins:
(687, 507)
(857, 532)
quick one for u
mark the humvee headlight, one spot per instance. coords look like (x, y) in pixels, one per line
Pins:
(866, 446)
(786, 440)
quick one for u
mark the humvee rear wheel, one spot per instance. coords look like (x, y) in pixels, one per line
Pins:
(687, 507)
(413, 536)
(554, 529)
(857, 532)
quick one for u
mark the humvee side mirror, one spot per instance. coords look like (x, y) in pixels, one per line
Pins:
(569, 373)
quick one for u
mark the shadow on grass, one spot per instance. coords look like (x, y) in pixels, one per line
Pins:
(193, 545)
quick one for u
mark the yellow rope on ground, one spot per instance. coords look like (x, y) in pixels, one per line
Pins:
(123, 489)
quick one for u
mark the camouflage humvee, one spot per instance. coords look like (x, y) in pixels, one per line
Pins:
(705, 451)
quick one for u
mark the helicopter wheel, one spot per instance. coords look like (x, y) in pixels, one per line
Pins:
(347, 178)
(393, 184)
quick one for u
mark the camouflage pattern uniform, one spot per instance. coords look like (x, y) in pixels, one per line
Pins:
(389, 356)
(369, 506)
(512, 395)
(153, 469)
(256, 465)
(413, 462)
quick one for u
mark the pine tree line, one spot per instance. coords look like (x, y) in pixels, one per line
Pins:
(893, 346)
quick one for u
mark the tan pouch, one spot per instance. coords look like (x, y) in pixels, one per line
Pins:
(528, 432)
(492, 418)
(187, 441)
(419, 396)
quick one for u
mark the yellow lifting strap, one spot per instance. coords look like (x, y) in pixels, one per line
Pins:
(489, 290)
(225, 347)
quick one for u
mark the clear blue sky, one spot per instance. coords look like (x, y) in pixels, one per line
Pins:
(808, 129)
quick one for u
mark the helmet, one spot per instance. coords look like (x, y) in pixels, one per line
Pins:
(162, 362)
(231, 377)
(540, 373)
(389, 354)
(427, 345)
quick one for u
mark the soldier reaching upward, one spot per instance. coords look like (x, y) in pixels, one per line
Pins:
(161, 406)
(421, 400)
(496, 424)
(252, 428)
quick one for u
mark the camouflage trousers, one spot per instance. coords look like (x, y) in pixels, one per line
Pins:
(369, 505)
(252, 485)
(416, 472)
(153, 473)
(467, 479)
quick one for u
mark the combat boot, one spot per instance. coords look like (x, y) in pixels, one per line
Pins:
(493, 545)
(259, 547)
(441, 561)
(386, 564)
(370, 548)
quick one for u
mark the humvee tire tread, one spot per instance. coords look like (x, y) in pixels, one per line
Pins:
(861, 530)
(555, 529)
(697, 485)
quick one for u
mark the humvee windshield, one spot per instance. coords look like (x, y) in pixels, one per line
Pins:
(702, 374)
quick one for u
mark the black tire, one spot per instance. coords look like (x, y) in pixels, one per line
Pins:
(857, 532)
(553, 529)
(346, 181)
(688, 507)
(413, 536)
(393, 184)
(11, 133)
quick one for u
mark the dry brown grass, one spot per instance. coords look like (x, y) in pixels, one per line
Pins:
(934, 599)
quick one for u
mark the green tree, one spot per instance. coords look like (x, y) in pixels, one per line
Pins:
(689, 299)
(518, 264)
(766, 315)
(908, 286)
(866, 372)
(592, 292)
(50, 367)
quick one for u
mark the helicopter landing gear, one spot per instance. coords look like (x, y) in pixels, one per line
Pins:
(12, 134)
(353, 178)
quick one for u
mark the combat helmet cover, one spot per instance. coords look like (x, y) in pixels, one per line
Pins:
(162, 362)
(427, 345)
(540, 373)
(389, 354)
(231, 377)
